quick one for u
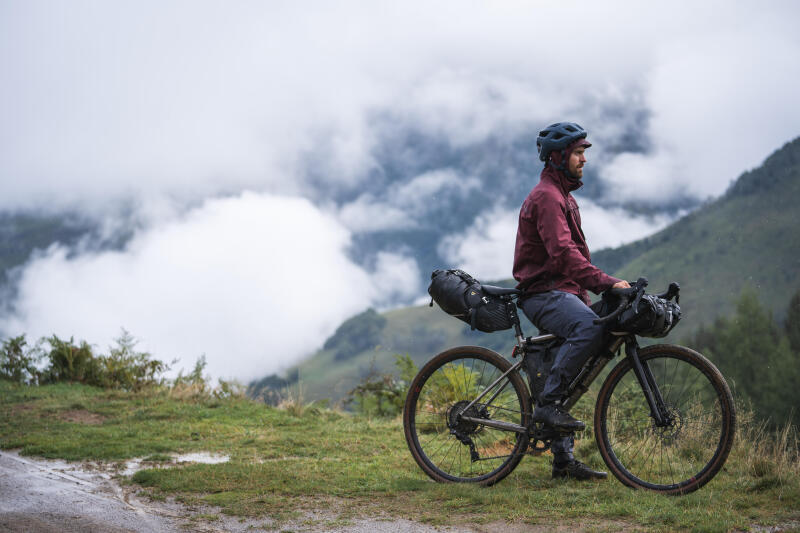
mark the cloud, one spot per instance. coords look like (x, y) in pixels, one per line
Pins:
(254, 282)
(401, 205)
(395, 277)
(608, 228)
(486, 249)
(194, 99)
(159, 108)
(720, 103)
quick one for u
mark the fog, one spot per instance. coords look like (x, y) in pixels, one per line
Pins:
(232, 127)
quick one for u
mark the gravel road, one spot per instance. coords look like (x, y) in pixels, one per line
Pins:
(55, 496)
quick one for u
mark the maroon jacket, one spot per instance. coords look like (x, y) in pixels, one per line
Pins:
(551, 251)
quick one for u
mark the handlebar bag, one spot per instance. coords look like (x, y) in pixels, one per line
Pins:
(460, 295)
(653, 317)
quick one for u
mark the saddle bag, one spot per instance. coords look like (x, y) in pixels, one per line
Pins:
(460, 295)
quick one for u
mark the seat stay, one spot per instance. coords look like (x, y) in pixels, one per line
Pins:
(515, 367)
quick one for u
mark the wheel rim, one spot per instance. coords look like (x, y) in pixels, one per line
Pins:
(679, 452)
(446, 442)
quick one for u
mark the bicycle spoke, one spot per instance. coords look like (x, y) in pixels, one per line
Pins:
(444, 441)
(685, 446)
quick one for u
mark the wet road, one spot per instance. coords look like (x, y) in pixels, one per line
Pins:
(55, 496)
(43, 496)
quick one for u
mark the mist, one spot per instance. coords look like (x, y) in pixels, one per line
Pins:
(245, 147)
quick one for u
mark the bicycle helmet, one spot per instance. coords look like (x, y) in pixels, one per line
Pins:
(556, 137)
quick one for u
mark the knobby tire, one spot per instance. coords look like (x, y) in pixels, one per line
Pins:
(452, 379)
(675, 459)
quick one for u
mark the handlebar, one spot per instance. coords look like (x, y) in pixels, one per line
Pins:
(632, 295)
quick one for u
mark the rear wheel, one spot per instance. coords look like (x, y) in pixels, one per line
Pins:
(450, 449)
(685, 453)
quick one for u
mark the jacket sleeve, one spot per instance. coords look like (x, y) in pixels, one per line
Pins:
(551, 221)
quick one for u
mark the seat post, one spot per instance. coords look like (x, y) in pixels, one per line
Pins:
(511, 309)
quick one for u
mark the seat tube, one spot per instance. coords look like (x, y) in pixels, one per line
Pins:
(646, 381)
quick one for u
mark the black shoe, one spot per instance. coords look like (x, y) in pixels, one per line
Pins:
(577, 470)
(553, 415)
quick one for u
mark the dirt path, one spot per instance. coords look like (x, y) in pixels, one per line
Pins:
(58, 497)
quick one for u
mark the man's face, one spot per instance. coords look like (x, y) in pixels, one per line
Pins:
(576, 161)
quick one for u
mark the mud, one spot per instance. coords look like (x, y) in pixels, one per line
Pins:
(48, 496)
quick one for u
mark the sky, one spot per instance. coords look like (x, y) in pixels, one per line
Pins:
(222, 128)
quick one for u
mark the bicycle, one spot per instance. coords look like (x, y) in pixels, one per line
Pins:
(664, 418)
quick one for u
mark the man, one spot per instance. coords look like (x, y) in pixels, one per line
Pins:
(553, 266)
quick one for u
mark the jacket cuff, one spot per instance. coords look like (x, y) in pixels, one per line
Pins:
(606, 282)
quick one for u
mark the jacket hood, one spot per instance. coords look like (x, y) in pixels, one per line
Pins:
(560, 177)
(564, 182)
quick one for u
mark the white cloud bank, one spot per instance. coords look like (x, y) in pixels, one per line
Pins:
(196, 98)
(402, 204)
(253, 281)
(190, 99)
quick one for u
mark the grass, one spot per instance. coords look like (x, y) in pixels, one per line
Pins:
(290, 460)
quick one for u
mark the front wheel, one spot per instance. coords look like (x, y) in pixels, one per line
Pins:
(687, 451)
(450, 449)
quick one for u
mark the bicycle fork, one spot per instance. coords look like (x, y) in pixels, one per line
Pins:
(658, 408)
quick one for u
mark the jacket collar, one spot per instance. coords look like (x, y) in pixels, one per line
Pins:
(561, 180)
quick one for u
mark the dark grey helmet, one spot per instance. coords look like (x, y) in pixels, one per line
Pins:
(557, 137)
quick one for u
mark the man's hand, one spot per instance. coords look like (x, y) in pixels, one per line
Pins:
(621, 285)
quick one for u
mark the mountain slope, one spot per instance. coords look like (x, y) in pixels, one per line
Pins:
(750, 235)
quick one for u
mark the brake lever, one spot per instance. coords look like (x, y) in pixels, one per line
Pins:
(640, 285)
(672, 292)
(625, 299)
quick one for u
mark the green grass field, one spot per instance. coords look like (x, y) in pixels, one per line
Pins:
(300, 458)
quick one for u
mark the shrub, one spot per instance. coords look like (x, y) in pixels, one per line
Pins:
(125, 368)
(70, 362)
(383, 395)
(18, 363)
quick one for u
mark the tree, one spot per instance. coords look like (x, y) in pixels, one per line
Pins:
(754, 355)
(792, 324)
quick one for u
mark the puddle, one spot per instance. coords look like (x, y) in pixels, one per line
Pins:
(140, 463)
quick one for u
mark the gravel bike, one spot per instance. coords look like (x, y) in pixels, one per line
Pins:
(664, 418)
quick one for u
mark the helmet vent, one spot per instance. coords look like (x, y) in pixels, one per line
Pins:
(557, 137)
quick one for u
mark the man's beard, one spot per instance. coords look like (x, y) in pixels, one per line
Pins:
(572, 177)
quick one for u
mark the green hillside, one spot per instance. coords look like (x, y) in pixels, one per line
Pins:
(420, 332)
(748, 236)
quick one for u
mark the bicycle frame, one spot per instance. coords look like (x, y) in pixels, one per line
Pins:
(685, 438)
(581, 383)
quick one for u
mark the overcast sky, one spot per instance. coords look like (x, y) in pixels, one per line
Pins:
(206, 113)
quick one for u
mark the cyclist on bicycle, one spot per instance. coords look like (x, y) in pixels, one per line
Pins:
(553, 267)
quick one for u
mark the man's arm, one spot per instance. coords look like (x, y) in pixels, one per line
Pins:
(554, 230)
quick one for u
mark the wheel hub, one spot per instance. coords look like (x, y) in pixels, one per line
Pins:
(669, 432)
(455, 421)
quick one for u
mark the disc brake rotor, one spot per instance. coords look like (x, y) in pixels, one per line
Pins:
(670, 432)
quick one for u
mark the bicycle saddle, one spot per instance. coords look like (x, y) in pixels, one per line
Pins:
(499, 291)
